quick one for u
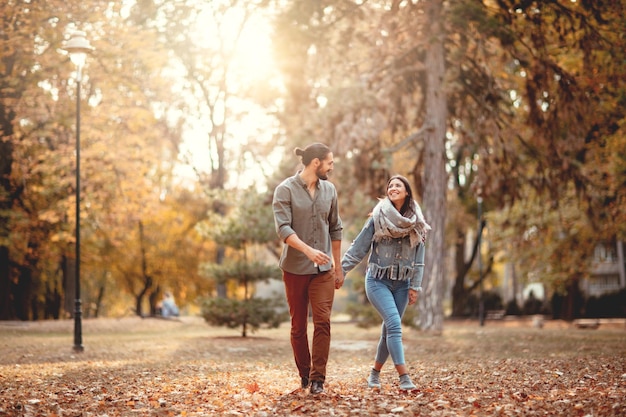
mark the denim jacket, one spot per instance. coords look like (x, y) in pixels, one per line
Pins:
(391, 258)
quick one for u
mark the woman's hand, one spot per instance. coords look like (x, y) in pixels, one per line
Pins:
(412, 296)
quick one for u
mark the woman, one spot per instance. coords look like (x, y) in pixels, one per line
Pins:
(394, 236)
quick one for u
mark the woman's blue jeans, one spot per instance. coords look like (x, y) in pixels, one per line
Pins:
(390, 298)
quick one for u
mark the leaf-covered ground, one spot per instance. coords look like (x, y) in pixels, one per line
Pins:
(151, 367)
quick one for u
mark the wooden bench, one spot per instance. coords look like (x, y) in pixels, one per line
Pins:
(587, 323)
(495, 314)
(614, 322)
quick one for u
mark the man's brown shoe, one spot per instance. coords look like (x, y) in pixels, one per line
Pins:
(317, 387)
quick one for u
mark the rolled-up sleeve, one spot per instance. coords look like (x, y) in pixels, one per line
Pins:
(335, 226)
(315, 220)
(282, 212)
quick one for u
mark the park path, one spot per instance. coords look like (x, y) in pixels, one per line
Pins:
(153, 367)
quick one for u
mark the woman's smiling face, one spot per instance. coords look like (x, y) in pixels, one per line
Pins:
(397, 193)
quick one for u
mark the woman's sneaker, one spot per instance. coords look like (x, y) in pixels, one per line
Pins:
(373, 381)
(405, 383)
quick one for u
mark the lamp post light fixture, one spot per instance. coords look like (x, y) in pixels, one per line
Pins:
(78, 47)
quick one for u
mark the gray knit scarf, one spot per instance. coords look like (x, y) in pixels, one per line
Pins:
(388, 222)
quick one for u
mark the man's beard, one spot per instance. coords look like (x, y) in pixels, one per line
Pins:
(321, 175)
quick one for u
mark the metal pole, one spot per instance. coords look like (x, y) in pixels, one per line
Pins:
(78, 46)
(481, 302)
(78, 331)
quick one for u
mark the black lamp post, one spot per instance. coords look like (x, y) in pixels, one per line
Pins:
(78, 47)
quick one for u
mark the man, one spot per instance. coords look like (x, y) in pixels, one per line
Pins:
(307, 220)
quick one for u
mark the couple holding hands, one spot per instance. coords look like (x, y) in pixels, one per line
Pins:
(307, 220)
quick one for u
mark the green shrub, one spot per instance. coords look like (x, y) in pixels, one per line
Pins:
(252, 313)
(607, 305)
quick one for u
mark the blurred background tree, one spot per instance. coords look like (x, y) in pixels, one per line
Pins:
(187, 103)
(512, 84)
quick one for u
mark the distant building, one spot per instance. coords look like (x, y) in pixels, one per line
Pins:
(609, 270)
(608, 275)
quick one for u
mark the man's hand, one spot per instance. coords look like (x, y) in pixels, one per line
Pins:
(339, 277)
(412, 296)
(318, 257)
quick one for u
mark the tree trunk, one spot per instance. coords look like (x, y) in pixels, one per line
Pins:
(98, 303)
(22, 293)
(572, 304)
(53, 303)
(154, 301)
(220, 254)
(459, 293)
(68, 266)
(6, 163)
(435, 178)
(147, 279)
(6, 306)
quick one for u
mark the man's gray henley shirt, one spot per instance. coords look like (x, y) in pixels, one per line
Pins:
(315, 220)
